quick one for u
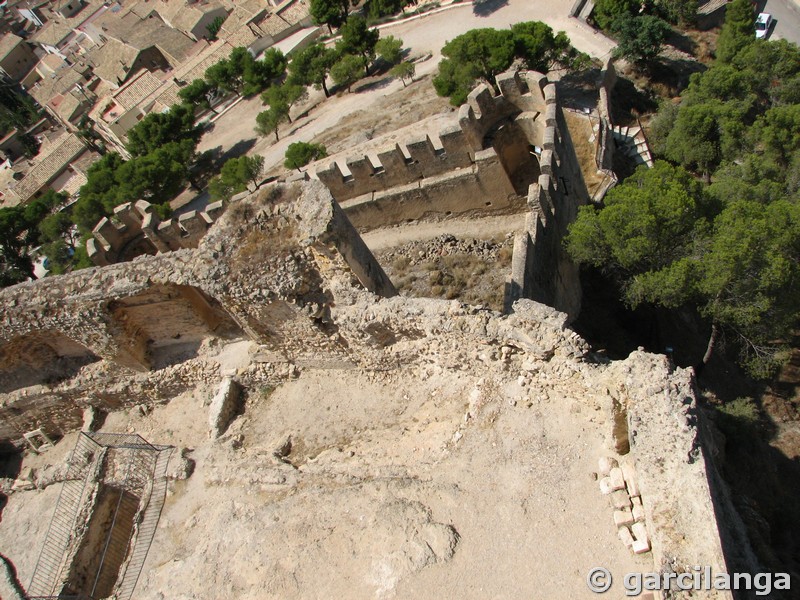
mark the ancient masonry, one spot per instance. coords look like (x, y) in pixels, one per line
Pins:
(136, 230)
(508, 151)
(285, 268)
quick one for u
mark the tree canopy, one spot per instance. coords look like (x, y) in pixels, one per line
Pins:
(668, 241)
(311, 66)
(197, 94)
(268, 121)
(382, 8)
(332, 13)
(348, 70)
(235, 176)
(640, 38)
(358, 39)
(390, 49)
(738, 30)
(158, 129)
(404, 70)
(284, 95)
(299, 154)
(214, 27)
(240, 72)
(607, 11)
(19, 233)
(481, 54)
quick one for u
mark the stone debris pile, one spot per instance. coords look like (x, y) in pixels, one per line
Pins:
(618, 482)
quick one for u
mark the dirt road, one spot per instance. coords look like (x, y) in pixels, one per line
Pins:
(422, 36)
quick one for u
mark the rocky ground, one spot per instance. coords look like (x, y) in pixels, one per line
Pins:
(468, 470)
(468, 269)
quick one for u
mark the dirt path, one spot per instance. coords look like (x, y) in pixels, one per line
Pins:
(422, 36)
(483, 228)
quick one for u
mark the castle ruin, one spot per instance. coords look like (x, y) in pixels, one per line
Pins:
(285, 270)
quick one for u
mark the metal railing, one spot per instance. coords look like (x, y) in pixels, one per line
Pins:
(103, 464)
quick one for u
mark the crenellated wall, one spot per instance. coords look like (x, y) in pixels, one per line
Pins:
(540, 268)
(135, 229)
(481, 164)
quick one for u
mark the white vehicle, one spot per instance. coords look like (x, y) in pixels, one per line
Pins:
(763, 23)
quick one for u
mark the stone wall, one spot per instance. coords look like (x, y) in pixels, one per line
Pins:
(268, 271)
(135, 229)
(605, 145)
(540, 268)
(479, 164)
(481, 187)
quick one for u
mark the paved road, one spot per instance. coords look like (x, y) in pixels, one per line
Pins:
(787, 19)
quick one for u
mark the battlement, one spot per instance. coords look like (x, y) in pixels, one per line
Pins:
(418, 158)
(136, 229)
(453, 147)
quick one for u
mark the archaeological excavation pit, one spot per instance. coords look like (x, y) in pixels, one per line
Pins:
(105, 519)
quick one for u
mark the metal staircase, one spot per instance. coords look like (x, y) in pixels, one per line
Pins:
(147, 526)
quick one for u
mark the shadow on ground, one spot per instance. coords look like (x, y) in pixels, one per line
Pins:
(487, 7)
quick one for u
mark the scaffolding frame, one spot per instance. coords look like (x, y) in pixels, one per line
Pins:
(138, 470)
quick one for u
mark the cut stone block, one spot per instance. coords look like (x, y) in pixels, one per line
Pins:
(605, 464)
(620, 500)
(641, 547)
(224, 407)
(617, 480)
(629, 474)
(606, 486)
(625, 537)
(623, 518)
(641, 542)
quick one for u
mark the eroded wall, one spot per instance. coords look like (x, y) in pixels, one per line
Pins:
(267, 272)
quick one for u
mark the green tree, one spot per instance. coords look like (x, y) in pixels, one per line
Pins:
(778, 130)
(404, 70)
(214, 27)
(158, 129)
(59, 255)
(607, 11)
(390, 49)
(157, 176)
(661, 125)
(57, 226)
(332, 13)
(382, 8)
(224, 75)
(98, 196)
(640, 38)
(268, 121)
(19, 232)
(475, 55)
(287, 94)
(694, 142)
(235, 175)
(197, 94)
(358, 38)
(347, 70)
(15, 263)
(773, 70)
(662, 236)
(299, 154)
(482, 54)
(257, 75)
(649, 221)
(738, 32)
(311, 66)
(677, 12)
(539, 48)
